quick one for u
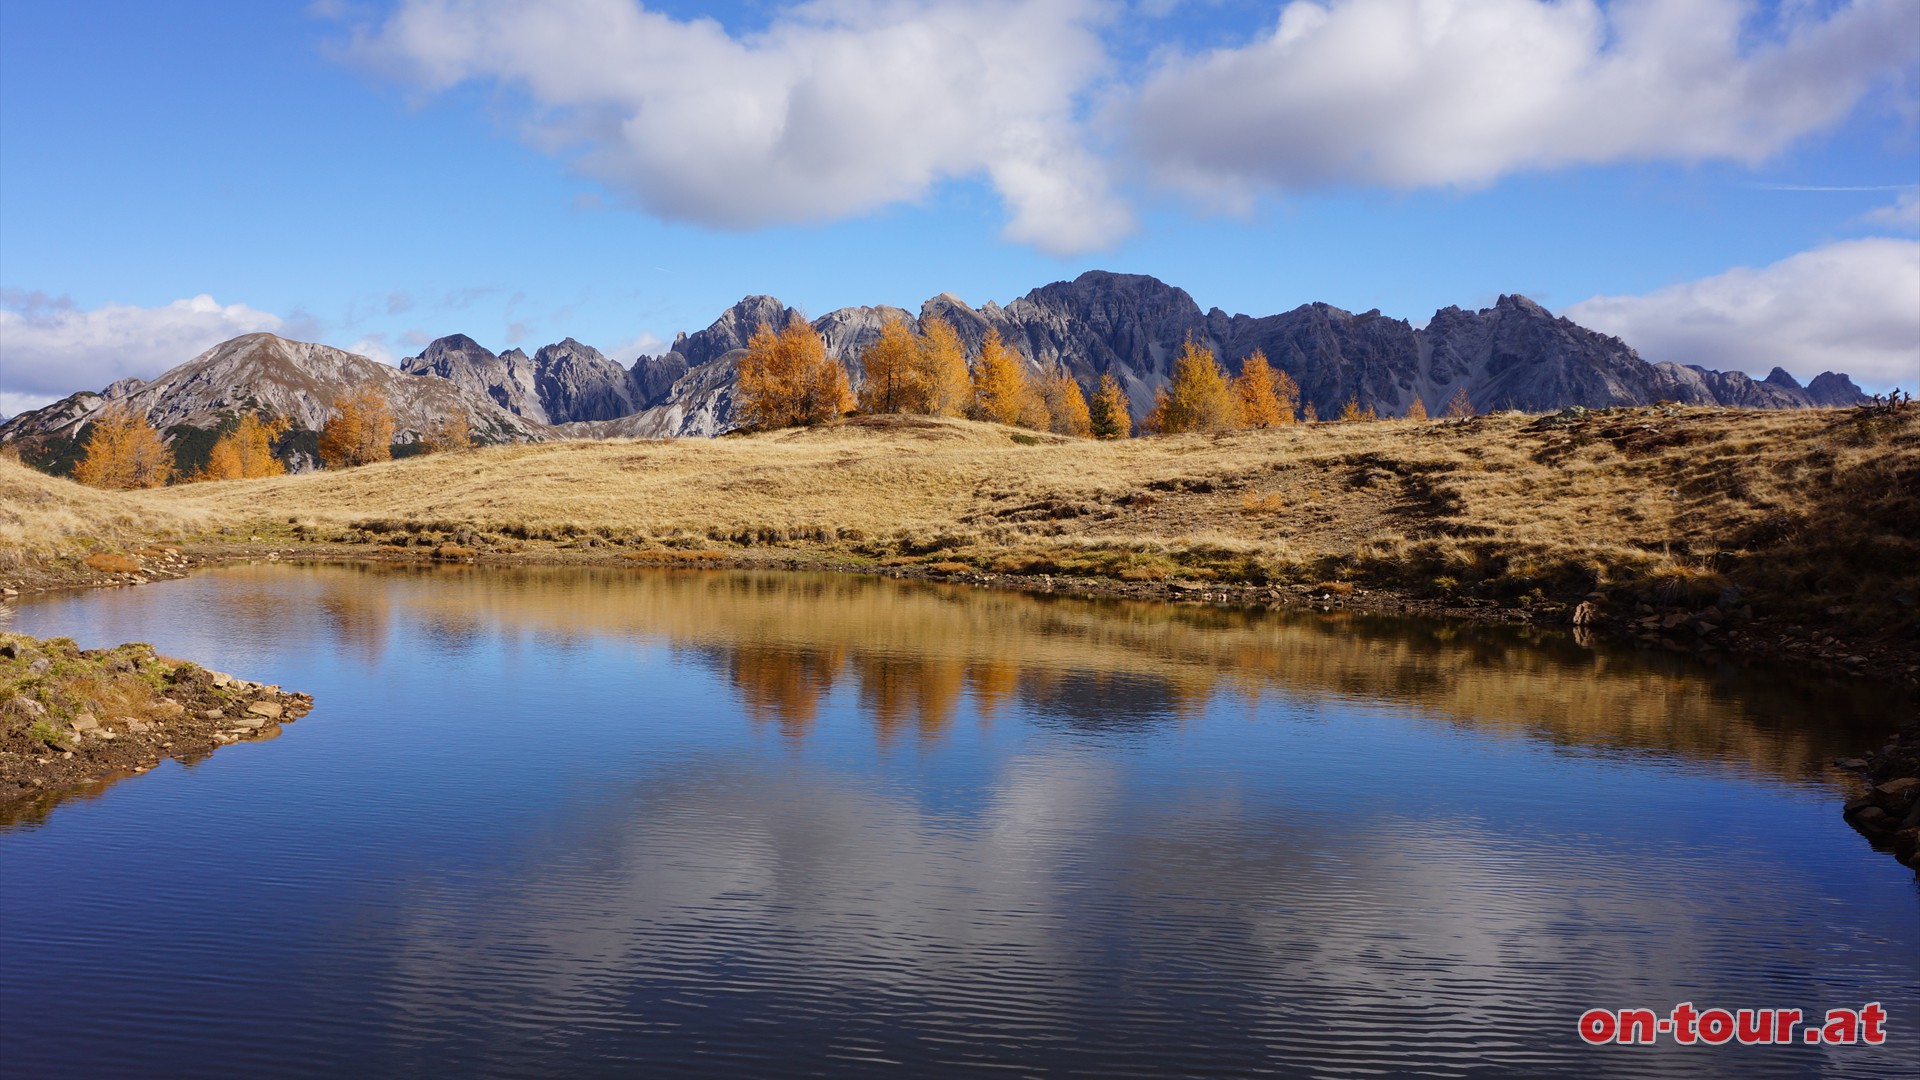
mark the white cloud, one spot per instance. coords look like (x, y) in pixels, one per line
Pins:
(1903, 214)
(1412, 93)
(12, 404)
(838, 108)
(50, 348)
(1852, 306)
(373, 347)
(645, 343)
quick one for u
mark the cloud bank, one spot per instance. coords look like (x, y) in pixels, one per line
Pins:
(836, 109)
(1852, 306)
(1417, 93)
(842, 107)
(49, 348)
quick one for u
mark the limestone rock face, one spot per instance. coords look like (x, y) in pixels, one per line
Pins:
(297, 380)
(507, 379)
(1513, 355)
(562, 382)
(732, 329)
(653, 376)
(577, 382)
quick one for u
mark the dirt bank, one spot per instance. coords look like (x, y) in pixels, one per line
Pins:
(71, 717)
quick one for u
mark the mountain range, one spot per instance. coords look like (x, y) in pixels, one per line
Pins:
(1514, 355)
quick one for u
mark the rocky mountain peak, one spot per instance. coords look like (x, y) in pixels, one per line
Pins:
(578, 382)
(1516, 354)
(733, 329)
(1828, 388)
(120, 388)
(1518, 304)
(298, 380)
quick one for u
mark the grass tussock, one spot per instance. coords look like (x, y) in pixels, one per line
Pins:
(44, 686)
(1795, 509)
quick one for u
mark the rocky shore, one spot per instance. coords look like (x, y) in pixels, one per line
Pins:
(1888, 813)
(1726, 626)
(72, 717)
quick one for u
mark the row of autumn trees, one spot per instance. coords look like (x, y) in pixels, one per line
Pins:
(123, 450)
(788, 380)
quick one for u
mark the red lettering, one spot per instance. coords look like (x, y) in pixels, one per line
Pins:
(1637, 1025)
(1683, 1017)
(1756, 1026)
(1597, 1026)
(1842, 1026)
(1716, 1026)
(1871, 1017)
(1784, 1021)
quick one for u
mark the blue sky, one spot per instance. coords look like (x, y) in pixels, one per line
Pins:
(1721, 182)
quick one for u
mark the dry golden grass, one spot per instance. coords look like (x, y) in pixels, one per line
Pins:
(42, 516)
(1811, 507)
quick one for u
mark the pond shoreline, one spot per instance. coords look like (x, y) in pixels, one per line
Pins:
(1749, 642)
(1887, 813)
(75, 718)
(1705, 631)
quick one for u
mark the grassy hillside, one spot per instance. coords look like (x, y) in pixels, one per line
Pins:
(1809, 514)
(43, 517)
(1804, 510)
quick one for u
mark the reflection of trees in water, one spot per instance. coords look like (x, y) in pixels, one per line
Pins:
(993, 683)
(899, 692)
(358, 613)
(783, 685)
(919, 653)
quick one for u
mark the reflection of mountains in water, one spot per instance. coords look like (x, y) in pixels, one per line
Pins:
(915, 653)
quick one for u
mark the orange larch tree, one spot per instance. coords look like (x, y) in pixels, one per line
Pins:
(1066, 405)
(1258, 396)
(1197, 399)
(1459, 406)
(449, 434)
(1000, 390)
(123, 451)
(891, 380)
(941, 365)
(1417, 410)
(788, 380)
(359, 432)
(223, 462)
(246, 452)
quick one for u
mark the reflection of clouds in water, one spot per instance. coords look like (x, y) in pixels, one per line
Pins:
(808, 880)
(1146, 889)
(1081, 903)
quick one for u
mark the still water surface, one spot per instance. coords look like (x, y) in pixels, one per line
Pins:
(590, 823)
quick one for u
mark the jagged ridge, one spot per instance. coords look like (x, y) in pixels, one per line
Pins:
(1514, 355)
